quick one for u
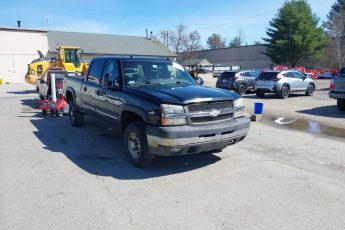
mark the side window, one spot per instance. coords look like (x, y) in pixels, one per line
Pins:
(299, 75)
(96, 70)
(112, 69)
(255, 74)
(289, 75)
(246, 74)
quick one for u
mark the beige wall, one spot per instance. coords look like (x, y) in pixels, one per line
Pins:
(18, 48)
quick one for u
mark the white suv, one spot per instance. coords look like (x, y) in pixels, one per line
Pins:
(283, 82)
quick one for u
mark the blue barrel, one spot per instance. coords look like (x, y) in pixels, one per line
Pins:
(258, 108)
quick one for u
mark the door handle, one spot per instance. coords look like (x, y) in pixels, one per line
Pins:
(100, 92)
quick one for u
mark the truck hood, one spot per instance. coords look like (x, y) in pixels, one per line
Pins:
(184, 94)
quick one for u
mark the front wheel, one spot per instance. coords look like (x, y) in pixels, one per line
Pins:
(284, 93)
(310, 90)
(76, 118)
(242, 89)
(137, 149)
(341, 104)
(260, 93)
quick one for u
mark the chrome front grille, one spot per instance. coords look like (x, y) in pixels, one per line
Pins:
(206, 107)
(203, 112)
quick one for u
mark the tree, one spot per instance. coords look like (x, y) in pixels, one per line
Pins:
(335, 29)
(193, 44)
(238, 40)
(215, 41)
(294, 35)
(336, 8)
(178, 38)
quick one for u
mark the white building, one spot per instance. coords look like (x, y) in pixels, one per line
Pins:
(18, 48)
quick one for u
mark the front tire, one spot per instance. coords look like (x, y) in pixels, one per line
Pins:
(242, 89)
(76, 117)
(284, 93)
(260, 94)
(137, 150)
(341, 104)
(310, 90)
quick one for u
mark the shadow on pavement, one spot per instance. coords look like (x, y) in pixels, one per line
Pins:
(99, 150)
(33, 103)
(24, 92)
(271, 96)
(324, 111)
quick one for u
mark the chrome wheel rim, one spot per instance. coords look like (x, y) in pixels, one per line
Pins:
(134, 145)
(311, 90)
(285, 92)
(242, 89)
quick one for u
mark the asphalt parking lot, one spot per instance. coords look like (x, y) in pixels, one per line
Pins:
(54, 176)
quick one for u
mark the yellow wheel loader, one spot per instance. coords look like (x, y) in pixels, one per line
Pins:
(68, 58)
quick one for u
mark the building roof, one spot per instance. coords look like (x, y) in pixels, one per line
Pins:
(20, 29)
(196, 62)
(108, 44)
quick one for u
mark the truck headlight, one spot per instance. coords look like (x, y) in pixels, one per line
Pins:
(173, 115)
(238, 108)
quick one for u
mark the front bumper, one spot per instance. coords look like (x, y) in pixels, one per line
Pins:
(336, 95)
(178, 140)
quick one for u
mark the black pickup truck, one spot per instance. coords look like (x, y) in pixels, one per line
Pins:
(158, 106)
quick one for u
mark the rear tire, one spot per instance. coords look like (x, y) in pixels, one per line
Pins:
(284, 93)
(137, 150)
(260, 93)
(242, 89)
(310, 90)
(44, 112)
(341, 104)
(76, 117)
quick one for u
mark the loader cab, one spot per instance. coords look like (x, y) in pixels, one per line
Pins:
(69, 58)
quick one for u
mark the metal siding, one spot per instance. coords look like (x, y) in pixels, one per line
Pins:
(108, 44)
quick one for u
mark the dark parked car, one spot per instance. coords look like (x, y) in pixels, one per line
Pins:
(159, 107)
(240, 81)
(338, 90)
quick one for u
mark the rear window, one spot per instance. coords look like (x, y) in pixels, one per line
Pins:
(267, 76)
(228, 75)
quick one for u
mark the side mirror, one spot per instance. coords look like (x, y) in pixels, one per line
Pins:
(107, 83)
(199, 80)
(115, 84)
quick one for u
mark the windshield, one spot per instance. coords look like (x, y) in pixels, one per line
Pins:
(73, 56)
(146, 72)
(228, 75)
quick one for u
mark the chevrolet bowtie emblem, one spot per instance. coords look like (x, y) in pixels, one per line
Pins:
(214, 113)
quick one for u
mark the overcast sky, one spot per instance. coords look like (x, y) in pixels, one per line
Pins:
(129, 17)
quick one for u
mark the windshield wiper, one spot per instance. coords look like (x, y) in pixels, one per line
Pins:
(182, 83)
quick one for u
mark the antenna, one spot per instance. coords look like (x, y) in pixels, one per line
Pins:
(47, 21)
